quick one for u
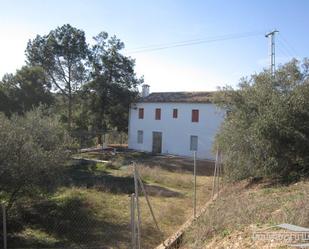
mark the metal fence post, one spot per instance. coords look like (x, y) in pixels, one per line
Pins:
(148, 202)
(215, 176)
(194, 172)
(4, 227)
(137, 207)
(219, 171)
(133, 224)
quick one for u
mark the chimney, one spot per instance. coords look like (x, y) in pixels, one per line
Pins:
(145, 90)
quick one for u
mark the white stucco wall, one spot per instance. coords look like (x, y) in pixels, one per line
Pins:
(176, 132)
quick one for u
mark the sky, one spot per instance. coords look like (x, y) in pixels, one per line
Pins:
(147, 23)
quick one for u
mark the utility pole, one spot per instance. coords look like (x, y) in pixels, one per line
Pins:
(271, 36)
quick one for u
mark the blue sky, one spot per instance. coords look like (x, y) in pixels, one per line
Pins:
(143, 23)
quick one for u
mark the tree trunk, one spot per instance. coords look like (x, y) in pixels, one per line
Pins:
(70, 114)
(100, 127)
(12, 199)
(99, 139)
(70, 108)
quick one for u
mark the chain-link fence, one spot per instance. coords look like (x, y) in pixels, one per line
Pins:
(93, 207)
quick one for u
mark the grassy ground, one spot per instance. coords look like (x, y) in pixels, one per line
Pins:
(245, 207)
(91, 208)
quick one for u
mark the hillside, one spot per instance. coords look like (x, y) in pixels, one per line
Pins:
(244, 207)
(94, 199)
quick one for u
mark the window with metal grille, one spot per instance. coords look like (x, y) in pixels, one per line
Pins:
(193, 143)
(195, 115)
(140, 113)
(140, 135)
(158, 114)
(175, 113)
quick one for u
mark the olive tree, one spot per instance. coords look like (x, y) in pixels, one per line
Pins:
(266, 131)
(33, 151)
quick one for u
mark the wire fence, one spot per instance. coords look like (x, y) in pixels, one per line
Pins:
(83, 213)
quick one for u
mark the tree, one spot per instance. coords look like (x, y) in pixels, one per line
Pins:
(26, 89)
(114, 83)
(33, 149)
(63, 56)
(8, 103)
(266, 131)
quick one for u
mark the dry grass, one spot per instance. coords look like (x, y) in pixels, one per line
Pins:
(95, 201)
(91, 207)
(160, 176)
(241, 207)
(171, 210)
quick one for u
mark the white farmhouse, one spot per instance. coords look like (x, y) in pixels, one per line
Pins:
(175, 123)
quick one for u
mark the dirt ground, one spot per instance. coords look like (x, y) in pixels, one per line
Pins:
(168, 162)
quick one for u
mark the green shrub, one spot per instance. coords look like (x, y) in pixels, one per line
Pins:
(266, 131)
(33, 152)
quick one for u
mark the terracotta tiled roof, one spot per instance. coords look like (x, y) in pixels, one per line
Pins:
(180, 97)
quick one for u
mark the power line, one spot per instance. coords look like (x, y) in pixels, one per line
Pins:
(289, 46)
(194, 40)
(163, 46)
(284, 50)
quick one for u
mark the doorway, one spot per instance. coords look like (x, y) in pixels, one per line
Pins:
(156, 142)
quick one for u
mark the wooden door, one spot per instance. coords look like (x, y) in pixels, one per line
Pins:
(157, 142)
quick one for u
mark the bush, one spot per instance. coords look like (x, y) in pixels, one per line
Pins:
(33, 151)
(266, 131)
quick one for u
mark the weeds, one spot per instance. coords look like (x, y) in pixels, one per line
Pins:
(239, 207)
(163, 177)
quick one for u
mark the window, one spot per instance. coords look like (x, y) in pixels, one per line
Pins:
(140, 113)
(158, 114)
(140, 135)
(175, 113)
(193, 143)
(195, 115)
